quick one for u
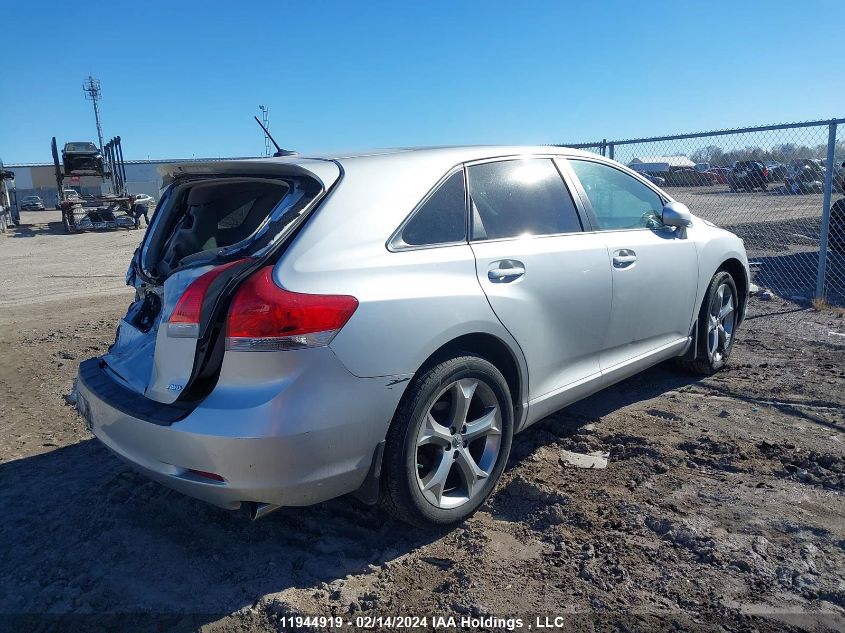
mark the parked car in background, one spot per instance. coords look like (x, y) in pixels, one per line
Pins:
(689, 177)
(32, 203)
(748, 175)
(69, 194)
(809, 178)
(82, 158)
(657, 180)
(777, 171)
(305, 328)
(720, 174)
(800, 163)
(142, 198)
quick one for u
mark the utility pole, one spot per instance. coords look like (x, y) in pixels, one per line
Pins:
(265, 119)
(91, 87)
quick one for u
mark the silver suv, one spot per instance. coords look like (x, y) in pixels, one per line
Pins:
(382, 324)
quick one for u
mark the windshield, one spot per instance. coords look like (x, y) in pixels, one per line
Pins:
(80, 147)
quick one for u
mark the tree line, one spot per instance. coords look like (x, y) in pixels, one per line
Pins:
(782, 153)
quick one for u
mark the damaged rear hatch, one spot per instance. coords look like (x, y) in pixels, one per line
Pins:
(215, 224)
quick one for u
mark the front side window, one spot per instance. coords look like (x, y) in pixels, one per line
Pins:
(619, 201)
(520, 197)
(441, 219)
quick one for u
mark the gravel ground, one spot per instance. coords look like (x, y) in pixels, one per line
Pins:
(721, 507)
(725, 207)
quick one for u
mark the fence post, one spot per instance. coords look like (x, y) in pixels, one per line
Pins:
(610, 151)
(828, 190)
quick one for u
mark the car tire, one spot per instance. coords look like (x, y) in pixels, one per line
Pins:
(763, 187)
(715, 339)
(427, 479)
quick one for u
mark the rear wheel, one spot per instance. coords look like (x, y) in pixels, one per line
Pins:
(448, 443)
(717, 322)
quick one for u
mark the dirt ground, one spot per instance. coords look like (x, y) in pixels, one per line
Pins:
(722, 506)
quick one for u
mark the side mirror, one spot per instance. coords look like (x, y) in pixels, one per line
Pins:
(676, 214)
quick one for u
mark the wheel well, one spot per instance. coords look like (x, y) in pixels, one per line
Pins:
(488, 347)
(737, 271)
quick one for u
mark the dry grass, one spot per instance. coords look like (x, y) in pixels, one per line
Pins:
(820, 305)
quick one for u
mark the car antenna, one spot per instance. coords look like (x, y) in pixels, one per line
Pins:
(279, 151)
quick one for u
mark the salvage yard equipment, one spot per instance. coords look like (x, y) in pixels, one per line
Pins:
(105, 211)
(7, 218)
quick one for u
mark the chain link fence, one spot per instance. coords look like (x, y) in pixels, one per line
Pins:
(779, 187)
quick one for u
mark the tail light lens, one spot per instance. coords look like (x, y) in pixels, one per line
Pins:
(184, 322)
(765, 172)
(207, 475)
(265, 317)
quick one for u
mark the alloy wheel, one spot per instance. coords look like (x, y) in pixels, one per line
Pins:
(458, 443)
(721, 321)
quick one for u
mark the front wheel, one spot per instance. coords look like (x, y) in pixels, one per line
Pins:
(448, 443)
(717, 323)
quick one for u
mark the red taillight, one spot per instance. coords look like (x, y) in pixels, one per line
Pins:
(207, 475)
(185, 319)
(765, 172)
(264, 316)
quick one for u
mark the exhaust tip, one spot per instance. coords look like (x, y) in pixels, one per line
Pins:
(258, 510)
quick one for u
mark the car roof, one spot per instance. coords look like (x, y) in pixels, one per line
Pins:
(424, 161)
(456, 153)
(428, 161)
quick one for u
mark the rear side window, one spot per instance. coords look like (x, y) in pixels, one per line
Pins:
(441, 219)
(619, 201)
(520, 197)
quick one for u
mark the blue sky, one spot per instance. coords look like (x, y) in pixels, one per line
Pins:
(184, 79)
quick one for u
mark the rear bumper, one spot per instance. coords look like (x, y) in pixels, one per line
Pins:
(286, 428)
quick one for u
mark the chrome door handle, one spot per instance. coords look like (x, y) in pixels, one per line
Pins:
(506, 271)
(623, 258)
(501, 273)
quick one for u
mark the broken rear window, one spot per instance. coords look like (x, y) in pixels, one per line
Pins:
(214, 219)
